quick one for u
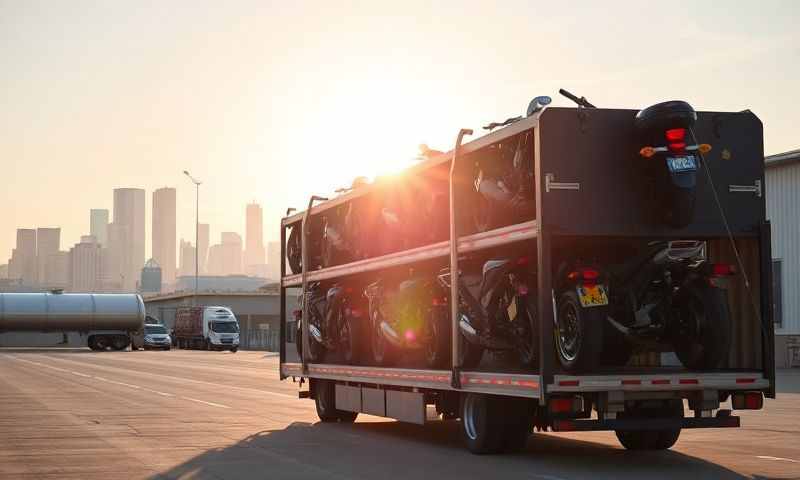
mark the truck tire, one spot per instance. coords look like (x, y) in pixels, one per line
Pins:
(119, 342)
(101, 342)
(234, 349)
(325, 401)
(518, 418)
(482, 425)
(651, 439)
(91, 343)
(702, 327)
(578, 333)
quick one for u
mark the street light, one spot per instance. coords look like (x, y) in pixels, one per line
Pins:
(196, 230)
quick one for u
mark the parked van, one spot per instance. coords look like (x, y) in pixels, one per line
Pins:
(206, 328)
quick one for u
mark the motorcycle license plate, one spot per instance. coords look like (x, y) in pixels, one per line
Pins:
(681, 164)
(592, 295)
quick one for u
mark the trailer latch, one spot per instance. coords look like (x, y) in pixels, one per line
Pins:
(756, 188)
(551, 184)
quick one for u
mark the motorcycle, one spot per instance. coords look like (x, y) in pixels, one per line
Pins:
(342, 231)
(412, 316)
(503, 182)
(670, 294)
(333, 324)
(294, 246)
(497, 310)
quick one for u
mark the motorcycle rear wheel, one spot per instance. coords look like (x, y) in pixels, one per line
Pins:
(703, 333)
(294, 253)
(578, 333)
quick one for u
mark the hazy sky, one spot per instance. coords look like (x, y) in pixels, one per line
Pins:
(275, 101)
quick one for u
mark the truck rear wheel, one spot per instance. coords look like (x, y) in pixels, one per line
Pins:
(120, 342)
(651, 439)
(493, 424)
(325, 400)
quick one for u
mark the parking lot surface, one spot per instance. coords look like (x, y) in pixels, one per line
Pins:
(194, 414)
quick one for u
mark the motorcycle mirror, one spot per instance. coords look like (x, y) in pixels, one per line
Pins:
(537, 104)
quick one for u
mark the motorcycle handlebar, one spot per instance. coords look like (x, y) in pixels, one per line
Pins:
(580, 101)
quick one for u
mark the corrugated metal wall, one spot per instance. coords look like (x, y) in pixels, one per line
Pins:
(783, 210)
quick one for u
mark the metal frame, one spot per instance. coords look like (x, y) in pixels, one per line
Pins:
(540, 229)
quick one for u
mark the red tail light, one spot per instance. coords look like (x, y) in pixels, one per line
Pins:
(565, 405)
(588, 276)
(438, 302)
(722, 270)
(747, 401)
(676, 139)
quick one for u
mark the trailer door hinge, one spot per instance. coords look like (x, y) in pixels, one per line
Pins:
(756, 188)
(551, 184)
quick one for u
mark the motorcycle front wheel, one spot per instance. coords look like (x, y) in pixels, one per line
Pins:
(578, 333)
(702, 327)
(294, 252)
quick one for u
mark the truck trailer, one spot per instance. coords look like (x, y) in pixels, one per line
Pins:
(596, 203)
(108, 320)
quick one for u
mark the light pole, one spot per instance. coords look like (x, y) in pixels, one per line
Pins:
(196, 230)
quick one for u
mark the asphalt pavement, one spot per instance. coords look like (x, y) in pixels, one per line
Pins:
(195, 414)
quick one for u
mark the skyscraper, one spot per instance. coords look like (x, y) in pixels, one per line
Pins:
(85, 265)
(186, 258)
(23, 258)
(129, 215)
(98, 225)
(254, 236)
(202, 243)
(232, 253)
(164, 236)
(48, 242)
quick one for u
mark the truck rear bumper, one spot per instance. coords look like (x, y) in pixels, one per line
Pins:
(720, 421)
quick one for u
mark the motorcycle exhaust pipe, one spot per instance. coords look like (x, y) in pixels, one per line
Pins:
(315, 333)
(391, 335)
(472, 336)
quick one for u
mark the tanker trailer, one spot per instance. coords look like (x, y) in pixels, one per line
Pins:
(108, 320)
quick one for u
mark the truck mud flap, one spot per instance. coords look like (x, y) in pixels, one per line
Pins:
(564, 425)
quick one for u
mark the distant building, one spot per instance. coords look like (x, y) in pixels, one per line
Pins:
(23, 258)
(48, 242)
(85, 260)
(151, 277)
(98, 225)
(56, 271)
(225, 258)
(254, 236)
(220, 283)
(203, 231)
(129, 214)
(164, 232)
(274, 260)
(186, 258)
(4, 271)
(783, 210)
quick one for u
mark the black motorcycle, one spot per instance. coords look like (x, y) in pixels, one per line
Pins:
(333, 324)
(668, 295)
(344, 229)
(504, 177)
(497, 309)
(411, 316)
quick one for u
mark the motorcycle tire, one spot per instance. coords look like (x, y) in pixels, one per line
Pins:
(294, 252)
(350, 339)
(529, 354)
(578, 333)
(703, 333)
(382, 350)
(437, 348)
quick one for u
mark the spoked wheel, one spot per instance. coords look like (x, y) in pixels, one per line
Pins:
(437, 342)
(651, 439)
(325, 401)
(294, 252)
(578, 333)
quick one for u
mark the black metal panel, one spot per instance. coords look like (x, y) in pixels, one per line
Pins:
(599, 149)
(768, 326)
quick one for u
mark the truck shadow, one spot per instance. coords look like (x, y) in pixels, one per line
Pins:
(391, 450)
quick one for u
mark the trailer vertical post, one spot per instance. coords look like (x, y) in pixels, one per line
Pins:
(304, 255)
(766, 305)
(282, 336)
(454, 329)
(544, 284)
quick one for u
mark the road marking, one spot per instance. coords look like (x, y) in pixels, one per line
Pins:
(777, 459)
(81, 374)
(205, 403)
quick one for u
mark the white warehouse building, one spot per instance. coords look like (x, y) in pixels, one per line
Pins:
(783, 211)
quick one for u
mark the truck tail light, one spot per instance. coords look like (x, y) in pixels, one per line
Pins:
(747, 401)
(565, 405)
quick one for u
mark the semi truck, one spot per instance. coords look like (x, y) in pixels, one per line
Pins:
(206, 328)
(638, 251)
(107, 320)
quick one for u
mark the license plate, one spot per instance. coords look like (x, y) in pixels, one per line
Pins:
(681, 164)
(592, 295)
